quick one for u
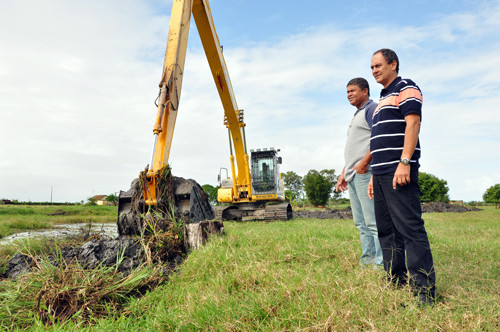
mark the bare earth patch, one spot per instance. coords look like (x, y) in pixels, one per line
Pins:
(347, 213)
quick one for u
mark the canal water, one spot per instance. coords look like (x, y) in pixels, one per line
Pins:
(109, 229)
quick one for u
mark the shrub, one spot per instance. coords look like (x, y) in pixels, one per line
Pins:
(432, 189)
(492, 195)
(211, 191)
(317, 187)
(293, 185)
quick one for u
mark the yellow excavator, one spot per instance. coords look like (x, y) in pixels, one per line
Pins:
(255, 189)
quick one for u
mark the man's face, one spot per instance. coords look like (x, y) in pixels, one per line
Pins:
(356, 96)
(383, 72)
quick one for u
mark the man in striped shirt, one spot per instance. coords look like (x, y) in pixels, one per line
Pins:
(395, 150)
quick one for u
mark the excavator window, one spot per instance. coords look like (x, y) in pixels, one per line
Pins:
(263, 174)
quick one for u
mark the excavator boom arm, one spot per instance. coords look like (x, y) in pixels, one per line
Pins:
(171, 83)
(170, 91)
(248, 194)
(233, 117)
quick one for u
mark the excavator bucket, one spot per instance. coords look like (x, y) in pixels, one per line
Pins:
(130, 208)
(192, 202)
(178, 199)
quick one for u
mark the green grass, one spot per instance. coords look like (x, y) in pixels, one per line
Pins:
(16, 218)
(304, 275)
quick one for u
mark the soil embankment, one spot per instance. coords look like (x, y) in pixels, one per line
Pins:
(446, 207)
(347, 213)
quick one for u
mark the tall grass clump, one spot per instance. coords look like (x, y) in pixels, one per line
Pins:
(59, 291)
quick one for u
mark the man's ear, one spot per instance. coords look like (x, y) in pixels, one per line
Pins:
(394, 65)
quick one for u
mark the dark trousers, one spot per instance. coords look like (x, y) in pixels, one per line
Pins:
(401, 230)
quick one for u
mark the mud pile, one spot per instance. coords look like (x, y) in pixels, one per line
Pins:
(324, 214)
(347, 213)
(89, 256)
(446, 207)
(178, 198)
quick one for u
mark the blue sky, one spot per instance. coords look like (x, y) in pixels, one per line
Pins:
(78, 80)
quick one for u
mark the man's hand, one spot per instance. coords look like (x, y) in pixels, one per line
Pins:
(341, 183)
(361, 168)
(401, 176)
(370, 188)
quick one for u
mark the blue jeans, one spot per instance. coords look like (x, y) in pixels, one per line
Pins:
(402, 233)
(363, 213)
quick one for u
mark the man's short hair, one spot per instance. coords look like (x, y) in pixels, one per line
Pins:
(390, 56)
(361, 82)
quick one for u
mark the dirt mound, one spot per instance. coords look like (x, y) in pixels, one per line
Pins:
(347, 213)
(90, 255)
(167, 248)
(446, 207)
(324, 214)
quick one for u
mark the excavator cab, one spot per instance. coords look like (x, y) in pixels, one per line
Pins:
(265, 171)
(266, 201)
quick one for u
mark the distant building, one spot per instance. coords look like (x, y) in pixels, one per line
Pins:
(101, 200)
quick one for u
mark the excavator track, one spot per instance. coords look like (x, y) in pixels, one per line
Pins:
(267, 211)
(281, 211)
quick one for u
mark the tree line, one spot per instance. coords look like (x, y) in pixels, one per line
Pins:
(318, 187)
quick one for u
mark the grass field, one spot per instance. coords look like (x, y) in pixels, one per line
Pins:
(304, 275)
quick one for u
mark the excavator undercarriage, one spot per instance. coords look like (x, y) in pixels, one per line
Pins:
(268, 211)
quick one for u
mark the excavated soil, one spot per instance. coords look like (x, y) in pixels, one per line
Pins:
(90, 255)
(324, 214)
(178, 198)
(446, 207)
(165, 239)
(347, 213)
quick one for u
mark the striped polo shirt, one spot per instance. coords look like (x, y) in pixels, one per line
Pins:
(401, 98)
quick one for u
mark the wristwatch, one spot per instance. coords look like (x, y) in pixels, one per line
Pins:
(404, 161)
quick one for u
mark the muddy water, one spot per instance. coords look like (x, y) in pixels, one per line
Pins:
(65, 230)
